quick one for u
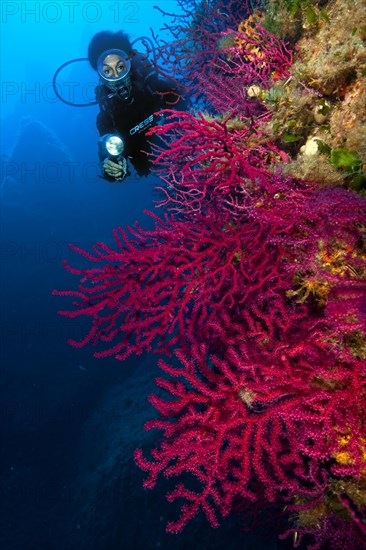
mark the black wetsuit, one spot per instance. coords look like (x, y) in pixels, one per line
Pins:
(131, 118)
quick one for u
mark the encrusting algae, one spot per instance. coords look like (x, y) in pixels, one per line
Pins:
(319, 113)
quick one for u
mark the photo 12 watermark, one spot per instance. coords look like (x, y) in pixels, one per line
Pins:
(37, 252)
(70, 12)
(50, 172)
(44, 92)
(37, 332)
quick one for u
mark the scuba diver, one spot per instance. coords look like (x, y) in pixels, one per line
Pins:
(129, 93)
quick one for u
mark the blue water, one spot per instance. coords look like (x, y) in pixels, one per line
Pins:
(69, 422)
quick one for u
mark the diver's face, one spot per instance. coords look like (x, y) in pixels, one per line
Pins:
(113, 66)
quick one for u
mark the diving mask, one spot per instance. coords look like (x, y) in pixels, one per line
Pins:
(114, 70)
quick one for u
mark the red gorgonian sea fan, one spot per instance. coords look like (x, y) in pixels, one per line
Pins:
(194, 35)
(258, 288)
(255, 423)
(204, 163)
(160, 286)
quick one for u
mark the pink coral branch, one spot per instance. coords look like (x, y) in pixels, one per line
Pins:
(233, 420)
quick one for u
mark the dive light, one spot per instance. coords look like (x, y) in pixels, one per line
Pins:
(111, 146)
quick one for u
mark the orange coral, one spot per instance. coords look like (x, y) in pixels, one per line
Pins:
(252, 50)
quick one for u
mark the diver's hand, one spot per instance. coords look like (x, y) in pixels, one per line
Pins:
(115, 169)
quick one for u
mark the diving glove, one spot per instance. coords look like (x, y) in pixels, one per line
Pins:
(115, 169)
